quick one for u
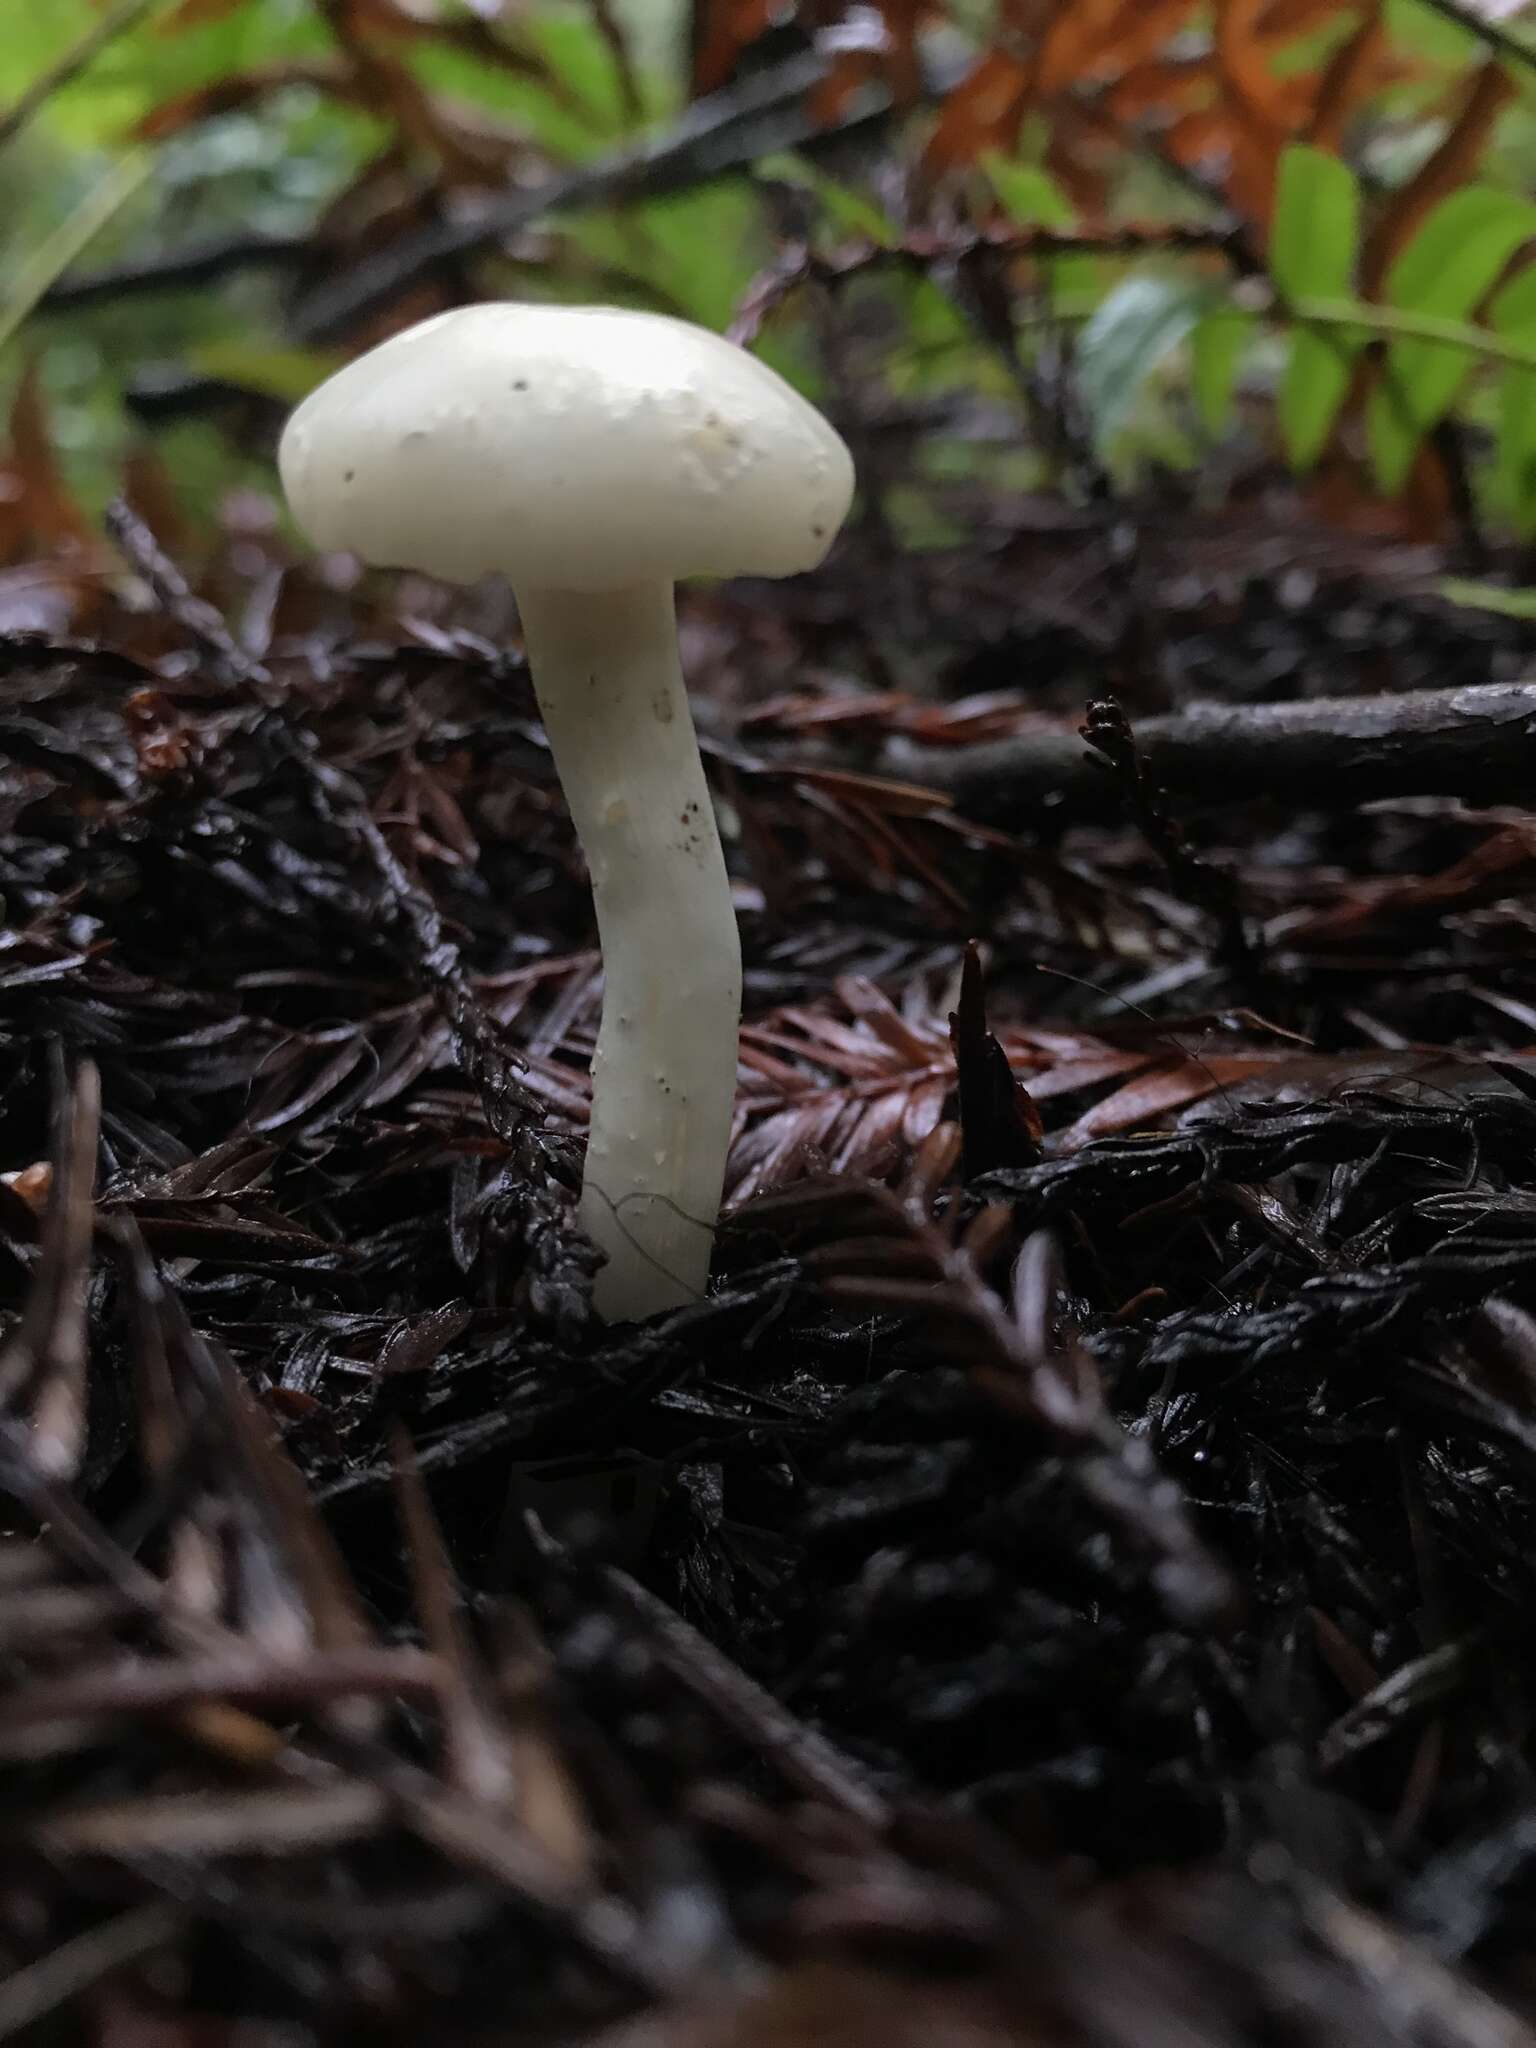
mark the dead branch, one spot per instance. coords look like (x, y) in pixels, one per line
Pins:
(726, 131)
(1477, 743)
(176, 269)
(924, 250)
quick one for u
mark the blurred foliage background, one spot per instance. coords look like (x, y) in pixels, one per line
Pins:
(1013, 245)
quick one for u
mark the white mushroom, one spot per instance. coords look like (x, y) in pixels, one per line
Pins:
(593, 456)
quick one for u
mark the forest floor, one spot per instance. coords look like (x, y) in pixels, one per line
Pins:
(1074, 1579)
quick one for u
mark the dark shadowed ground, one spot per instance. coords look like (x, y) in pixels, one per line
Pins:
(1075, 1580)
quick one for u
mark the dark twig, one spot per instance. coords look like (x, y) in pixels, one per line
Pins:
(1108, 732)
(40, 1988)
(486, 1060)
(805, 1759)
(176, 269)
(1011, 1347)
(1000, 1123)
(923, 250)
(175, 596)
(509, 1107)
(43, 1364)
(1406, 1695)
(723, 132)
(1332, 752)
(1487, 32)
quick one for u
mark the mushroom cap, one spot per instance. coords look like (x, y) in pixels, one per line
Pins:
(576, 448)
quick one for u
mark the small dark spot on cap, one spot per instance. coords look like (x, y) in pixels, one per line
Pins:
(347, 475)
(519, 383)
(818, 531)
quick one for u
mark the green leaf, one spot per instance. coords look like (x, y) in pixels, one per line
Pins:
(1029, 196)
(1216, 349)
(1446, 271)
(842, 205)
(1313, 246)
(1313, 385)
(1077, 281)
(31, 278)
(1316, 229)
(1488, 597)
(1130, 334)
(692, 252)
(1513, 316)
(1432, 37)
(142, 69)
(702, 247)
(933, 346)
(286, 373)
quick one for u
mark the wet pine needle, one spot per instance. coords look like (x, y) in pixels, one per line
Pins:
(1072, 1582)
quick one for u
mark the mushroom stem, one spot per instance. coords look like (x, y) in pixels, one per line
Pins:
(606, 674)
